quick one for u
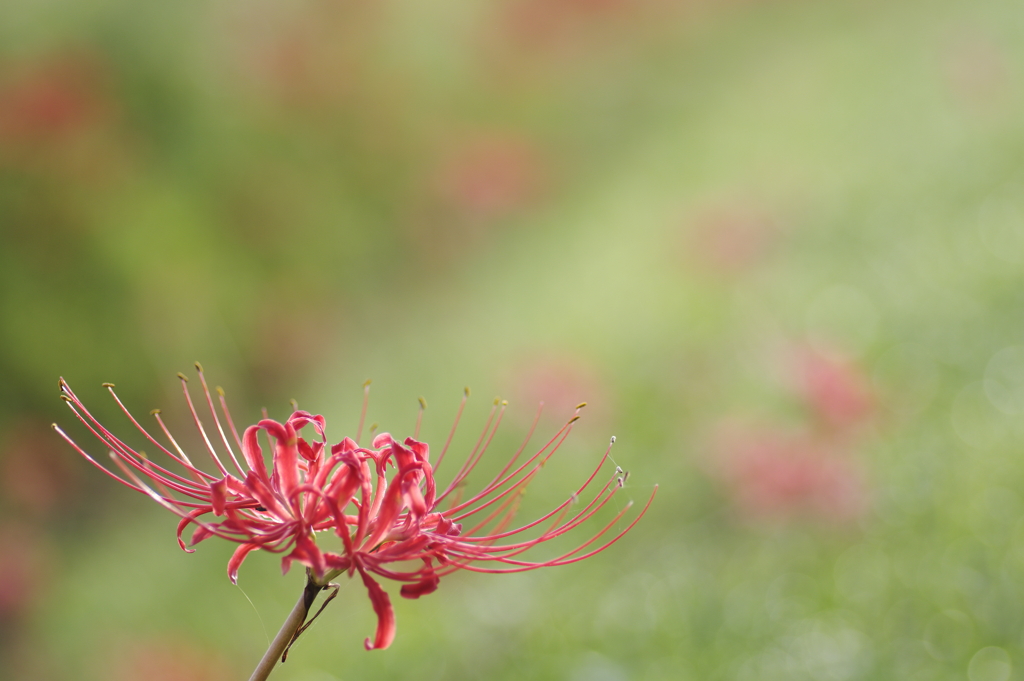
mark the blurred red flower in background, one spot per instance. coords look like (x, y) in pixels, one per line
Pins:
(836, 391)
(311, 488)
(52, 99)
(35, 477)
(166, 660)
(490, 175)
(559, 378)
(23, 569)
(775, 474)
(731, 239)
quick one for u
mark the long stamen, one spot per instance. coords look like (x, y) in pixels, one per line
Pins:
(455, 424)
(91, 460)
(199, 426)
(554, 443)
(419, 419)
(183, 460)
(515, 456)
(105, 436)
(227, 416)
(173, 508)
(362, 413)
(213, 413)
(565, 559)
(471, 460)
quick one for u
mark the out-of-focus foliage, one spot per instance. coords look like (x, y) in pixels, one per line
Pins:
(777, 245)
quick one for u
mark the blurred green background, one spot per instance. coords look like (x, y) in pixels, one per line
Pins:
(777, 245)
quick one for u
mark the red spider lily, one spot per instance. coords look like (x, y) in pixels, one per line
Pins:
(381, 517)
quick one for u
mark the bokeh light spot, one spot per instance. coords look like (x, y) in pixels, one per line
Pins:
(990, 664)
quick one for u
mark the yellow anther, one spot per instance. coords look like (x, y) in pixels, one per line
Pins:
(581, 405)
(183, 377)
(107, 385)
(199, 367)
(220, 391)
(504, 403)
(154, 412)
(368, 382)
(465, 391)
(423, 403)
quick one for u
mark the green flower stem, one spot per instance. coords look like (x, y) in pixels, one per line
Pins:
(280, 643)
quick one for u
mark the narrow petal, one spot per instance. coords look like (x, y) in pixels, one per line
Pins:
(385, 614)
(382, 439)
(413, 497)
(218, 496)
(308, 553)
(422, 449)
(286, 456)
(427, 585)
(236, 560)
(254, 453)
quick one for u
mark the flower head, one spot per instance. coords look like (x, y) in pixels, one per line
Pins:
(381, 501)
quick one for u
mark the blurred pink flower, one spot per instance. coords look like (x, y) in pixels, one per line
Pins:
(559, 378)
(35, 477)
(836, 391)
(978, 73)
(771, 473)
(345, 488)
(51, 99)
(23, 569)
(490, 175)
(164, 660)
(731, 239)
(550, 22)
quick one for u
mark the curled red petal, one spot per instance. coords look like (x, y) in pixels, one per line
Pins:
(218, 496)
(254, 453)
(390, 507)
(286, 455)
(236, 560)
(427, 585)
(191, 518)
(308, 453)
(199, 535)
(413, 497)
(385, 614)
(382, 439)
(346, 445)
(421, 449)
(308, 553)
